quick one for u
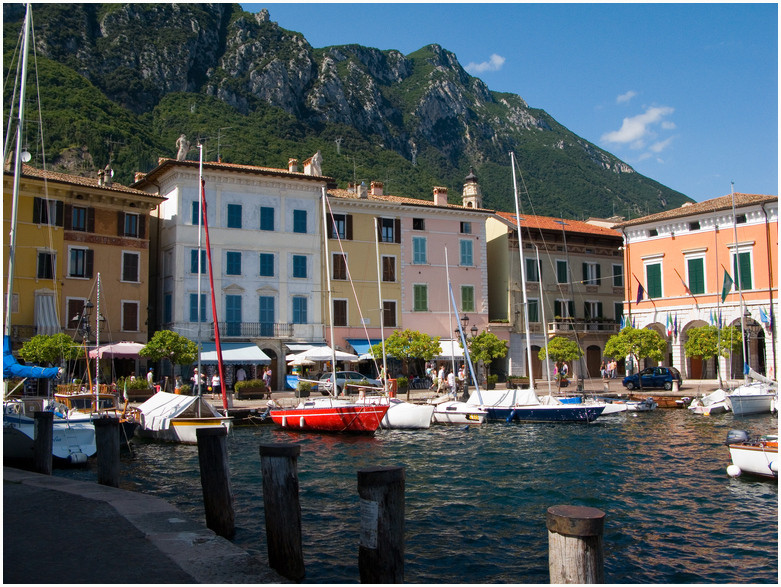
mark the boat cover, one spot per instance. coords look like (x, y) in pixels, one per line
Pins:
(504, 398)
(12, 368)
(159, 409)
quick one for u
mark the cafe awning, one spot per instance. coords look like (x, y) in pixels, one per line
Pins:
(235, 354)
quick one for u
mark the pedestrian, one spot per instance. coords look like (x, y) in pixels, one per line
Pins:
(216, 384)
(150, 376)
(451, 383)
(241, 374)
(267, 378)
(603, 369)
(612, 367)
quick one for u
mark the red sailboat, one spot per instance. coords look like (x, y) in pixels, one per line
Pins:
(330, 414)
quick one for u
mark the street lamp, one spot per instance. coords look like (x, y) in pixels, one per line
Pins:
(84, 321)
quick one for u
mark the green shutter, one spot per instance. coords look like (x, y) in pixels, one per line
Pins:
(696, 270)
(744, 276)
(653, 275)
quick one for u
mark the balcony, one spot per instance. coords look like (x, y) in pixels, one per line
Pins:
(248, 330)
(579, 326)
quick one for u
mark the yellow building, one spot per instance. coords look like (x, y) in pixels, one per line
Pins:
(69, 230)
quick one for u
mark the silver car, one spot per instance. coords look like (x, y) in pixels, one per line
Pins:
(344, 378)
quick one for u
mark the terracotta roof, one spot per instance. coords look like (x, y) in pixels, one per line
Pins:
(165, 163)
(387, 198)
(551, 223)
(77, 180)
(697, 208)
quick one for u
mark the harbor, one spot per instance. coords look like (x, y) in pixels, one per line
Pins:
(476, 497)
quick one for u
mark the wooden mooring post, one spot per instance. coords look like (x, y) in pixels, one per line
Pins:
(43, 430)
(381, 545)
(107, 441)
(215, 480)
(575, 552)
(278, 465)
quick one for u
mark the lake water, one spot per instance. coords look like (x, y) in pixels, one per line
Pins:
(476, 498)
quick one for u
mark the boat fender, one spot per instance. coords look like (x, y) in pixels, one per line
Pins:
(734, 471)
(774, 466)
(510, 417)
(301, 422)
(736, 436)
(284, 421)
(77, 458)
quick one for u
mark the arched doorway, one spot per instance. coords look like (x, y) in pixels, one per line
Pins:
(593, 360)
(275, 369)
(536, 363)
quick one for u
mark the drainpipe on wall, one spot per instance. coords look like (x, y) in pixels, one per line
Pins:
(770, 286)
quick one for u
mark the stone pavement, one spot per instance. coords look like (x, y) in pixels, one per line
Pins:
(57, 530)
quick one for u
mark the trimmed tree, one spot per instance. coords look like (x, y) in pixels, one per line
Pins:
(409, 344)
(561, 350)
(486, 347)
(50, 349)
(171, 346)
(708, 341)
(636, 343)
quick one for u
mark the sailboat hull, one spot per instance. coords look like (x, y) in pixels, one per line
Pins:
(545, 413)
(72, 441)
(330, 416)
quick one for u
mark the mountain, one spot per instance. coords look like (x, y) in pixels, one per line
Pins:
(120, 82)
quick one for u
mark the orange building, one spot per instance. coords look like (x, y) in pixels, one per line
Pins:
(712, 262)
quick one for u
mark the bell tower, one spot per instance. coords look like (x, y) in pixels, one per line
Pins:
(473, 196)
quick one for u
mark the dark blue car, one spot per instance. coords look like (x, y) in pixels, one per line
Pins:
(654, 377)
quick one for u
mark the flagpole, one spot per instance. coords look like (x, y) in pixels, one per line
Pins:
(740, 285)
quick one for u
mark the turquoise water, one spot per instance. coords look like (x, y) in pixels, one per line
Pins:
(476, 498)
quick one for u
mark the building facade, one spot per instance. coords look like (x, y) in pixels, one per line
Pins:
(703, 264)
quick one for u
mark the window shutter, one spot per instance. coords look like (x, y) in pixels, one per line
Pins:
(37, 210)
(599, 274)
(68, 216)
(141, 226)
(121, 223)
(557, 308)
(90, 219)
(585, 273)
(379, 228)
(571, 306)
(88, 262)
(349, 228)
(397, 230)
(586, 311)
(58, 221)
(599, 310)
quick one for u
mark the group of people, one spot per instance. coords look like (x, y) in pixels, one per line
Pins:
(445, 380)
(608, 369)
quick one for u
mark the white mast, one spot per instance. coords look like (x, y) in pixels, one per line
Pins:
(330, 301)
(17, 173)
(379, 293)
(523, 278)
(198, 265)
(97, 343)
(544, 323)
(738, 283)
(450, 318)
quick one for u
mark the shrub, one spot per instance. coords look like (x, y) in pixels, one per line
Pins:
(250, 388)
(402, 382)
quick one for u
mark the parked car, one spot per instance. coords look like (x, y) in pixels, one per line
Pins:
(654, 377)
(345, 378)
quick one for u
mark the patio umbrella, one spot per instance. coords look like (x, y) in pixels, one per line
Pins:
(300, 363)
(118, 350)
(324, 353)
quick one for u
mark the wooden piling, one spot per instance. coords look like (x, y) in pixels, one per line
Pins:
(107, 441)
(215, 480)
(575, 552)
(381, 544)
(278, 465)
(43, 431)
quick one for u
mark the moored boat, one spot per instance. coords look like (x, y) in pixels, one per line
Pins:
(754, 457)
(752, 398)
(176, 418)
(710, 405)
(448, 411)
(401, 415)
(330, 414)
(82, 402)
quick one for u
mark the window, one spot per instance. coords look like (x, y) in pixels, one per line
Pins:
(80, 263)
(340, 312)
(78, 219)
(591, 273)
(194, 307)
(618, 309)
(418, 224)
(75, 311)
(390, 230)
(130, 225)
(592, 310)
(695, 270)
(418, 250)
(653, 280)
(741, 273)
(234, 215)
(233, 315)
(299, 266)
(130, 316)
(653, 232)
(561, 271)
(195, 213)
(534, 310)
(389, 269)
(266, 218)
(389, 313)
(267, 264)
(564, 308)
(740, 219)
(420, 298)
(299, 221)
(194, 261)
(465, 248)
(266, 315)
(339, 266)
(130, 267)
(341, 227)
(618, 276)
(299, 310)
(233, 263)
(45, 265)
(466, 228)
(48, 211)
(168, 308)
(467, 298)
(532, 270)
(694, 225)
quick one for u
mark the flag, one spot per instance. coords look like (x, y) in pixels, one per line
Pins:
(720, 324)
(124, 394)
(623, 322)
(763, 317)
(727, 286)
(669, 325)
(676, 325)
(640, 292)
(745, 368)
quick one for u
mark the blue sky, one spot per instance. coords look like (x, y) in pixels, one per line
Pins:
(687, 94)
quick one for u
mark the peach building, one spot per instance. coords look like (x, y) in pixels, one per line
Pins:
(675, 278)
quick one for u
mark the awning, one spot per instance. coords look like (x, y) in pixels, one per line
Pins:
(46, 314)
(235, 353)
(451, 349)
(362, 347)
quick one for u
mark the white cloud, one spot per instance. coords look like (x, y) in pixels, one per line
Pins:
(637, 129)
(660, 146)
(623, 98)
(494, 63)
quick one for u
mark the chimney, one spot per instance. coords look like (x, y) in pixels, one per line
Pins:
(308, 166)
(440, 196)
(109, 175)
(292, 165)
(376, 188)
(139, 176)
(101, 176)
(363, 192)
(351, 187)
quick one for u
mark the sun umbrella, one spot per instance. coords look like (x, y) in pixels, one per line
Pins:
(324, 353)
(119, 350)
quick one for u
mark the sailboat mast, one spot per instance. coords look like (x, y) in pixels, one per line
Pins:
(330, 301)
(544, 323)
(17, 174)
(97, 342)
(450, 317)
(523, 277)
(198, 265)
(739, 284)
(382, 314)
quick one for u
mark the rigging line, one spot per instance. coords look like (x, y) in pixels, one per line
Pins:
(12, 107)
(350, 279)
